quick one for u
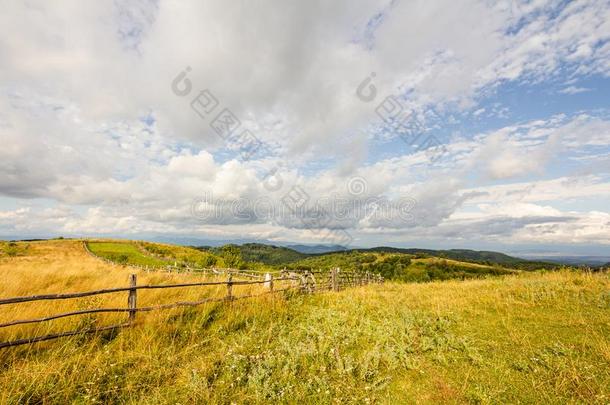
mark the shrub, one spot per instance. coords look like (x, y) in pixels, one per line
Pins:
(121, 259)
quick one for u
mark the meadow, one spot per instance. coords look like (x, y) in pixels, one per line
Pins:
(524, 337)
(124, 253)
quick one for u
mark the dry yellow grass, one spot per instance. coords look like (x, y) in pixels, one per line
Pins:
(524, 338)
(61, 266)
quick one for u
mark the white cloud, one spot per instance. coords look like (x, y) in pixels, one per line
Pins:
(574, 90)
(88, 119)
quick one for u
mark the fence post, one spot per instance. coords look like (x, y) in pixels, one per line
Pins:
(132, 298)
(303, 282)
(268, 281)
(313, 286)
(230, 287)
(333, 279)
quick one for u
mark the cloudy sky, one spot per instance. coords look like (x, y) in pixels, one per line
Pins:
(473, 124)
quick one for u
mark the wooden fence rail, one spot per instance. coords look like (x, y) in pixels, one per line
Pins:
(304, 281)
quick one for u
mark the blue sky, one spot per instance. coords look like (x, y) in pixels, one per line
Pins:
(108, 110)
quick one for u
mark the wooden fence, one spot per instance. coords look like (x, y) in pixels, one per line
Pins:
(304, 281)
(175, 268)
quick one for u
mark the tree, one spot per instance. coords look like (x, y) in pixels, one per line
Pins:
(231, 256)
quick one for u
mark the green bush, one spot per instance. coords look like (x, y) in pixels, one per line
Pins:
(231, 256)
(12, 249)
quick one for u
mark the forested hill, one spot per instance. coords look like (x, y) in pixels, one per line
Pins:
(277, 255)
(261, 253)
(473, 256)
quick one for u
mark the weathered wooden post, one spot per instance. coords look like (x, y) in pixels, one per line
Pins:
(230, 287)
(268, 282)
(132, 298)
(306, 283)
(313, 286)
(334, 279)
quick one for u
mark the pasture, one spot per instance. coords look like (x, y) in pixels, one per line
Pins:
(539, 337)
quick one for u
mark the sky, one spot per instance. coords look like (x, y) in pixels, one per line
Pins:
(470, 124)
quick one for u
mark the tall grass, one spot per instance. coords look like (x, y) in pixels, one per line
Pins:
(527, 338)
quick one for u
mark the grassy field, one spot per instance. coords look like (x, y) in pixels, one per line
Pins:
(153, 254)
(526, 338)
(182, 255)
(125, 253)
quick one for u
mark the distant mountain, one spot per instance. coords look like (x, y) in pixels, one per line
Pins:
(574, 260)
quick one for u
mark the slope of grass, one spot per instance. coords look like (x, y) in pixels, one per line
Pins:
(182, 255)
(526, 338)
(64, 266)
(160, 255)
(124, 253)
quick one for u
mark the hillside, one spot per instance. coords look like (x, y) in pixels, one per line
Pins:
(267, 254)
(472, 256)
(392, 264)
(529, 338)
(317, 249)
(279, 255)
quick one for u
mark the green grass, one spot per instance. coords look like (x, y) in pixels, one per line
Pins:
(13, 249)
(183, 255)
(154, 254)
(124, 253)
(527, 338)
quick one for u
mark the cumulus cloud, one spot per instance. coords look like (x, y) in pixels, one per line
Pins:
(96, 140)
